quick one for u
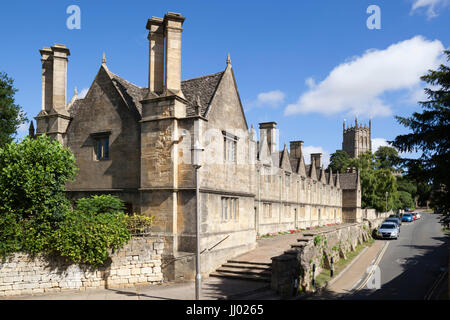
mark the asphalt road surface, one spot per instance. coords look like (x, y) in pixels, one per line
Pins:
(411, 265)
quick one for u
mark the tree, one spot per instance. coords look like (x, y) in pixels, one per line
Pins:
(339, 161)
(405, 200)
(430, 134)
(375, 182)
(11, 115)
(33, 174)
(388, 158)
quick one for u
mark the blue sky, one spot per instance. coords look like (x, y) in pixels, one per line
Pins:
(306, 65)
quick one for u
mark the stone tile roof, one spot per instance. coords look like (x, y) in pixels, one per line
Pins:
(348, 181)
(132, 94)
(203, 87)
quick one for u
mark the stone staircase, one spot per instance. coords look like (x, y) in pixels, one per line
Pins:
(244, 270)
(257, 264)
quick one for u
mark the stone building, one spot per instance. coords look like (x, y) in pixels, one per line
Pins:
(357, 140)
(136, 142)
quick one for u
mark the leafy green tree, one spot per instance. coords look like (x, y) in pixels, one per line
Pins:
(11, 115)
(375, 182)
(33, 173)
(388, 158)
(430, 134)
(339, 161)
(405, 200)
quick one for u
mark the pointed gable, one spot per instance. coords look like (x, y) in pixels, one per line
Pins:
(301, 170)
(323, 178)
(337, 183)
(285, 164)
(226, 91)
(330, 177)
(263, 153)
(312, 170)
(126, 92)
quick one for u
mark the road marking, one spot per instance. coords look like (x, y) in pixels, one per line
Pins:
(435, 285)
(377, 261)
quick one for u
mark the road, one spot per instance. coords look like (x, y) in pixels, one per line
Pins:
(410, 265)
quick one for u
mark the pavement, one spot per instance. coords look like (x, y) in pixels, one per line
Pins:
(212, 289)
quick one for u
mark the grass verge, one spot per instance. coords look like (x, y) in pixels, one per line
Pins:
(324, 277)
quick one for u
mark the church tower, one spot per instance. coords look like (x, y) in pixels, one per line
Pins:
(357, 140)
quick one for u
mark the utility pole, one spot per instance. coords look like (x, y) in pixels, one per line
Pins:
(196, 154)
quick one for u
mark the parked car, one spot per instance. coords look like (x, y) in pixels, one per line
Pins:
(388, 230)
(397, 216)
(418, 215)
(394, 220)
(407, 217)
(414, 215)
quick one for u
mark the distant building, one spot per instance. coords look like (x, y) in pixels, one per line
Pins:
(357, 140)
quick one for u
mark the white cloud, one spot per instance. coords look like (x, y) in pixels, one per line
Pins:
(271, 99)
(313, 149)
(356, 87)
(379, 142)
(431, 6)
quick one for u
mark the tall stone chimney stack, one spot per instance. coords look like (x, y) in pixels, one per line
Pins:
(317, 157)
(47, 80)
(295, 148)
(270, 130)
(173, 23)
(156, 55)
(54, 117)
(60, 60)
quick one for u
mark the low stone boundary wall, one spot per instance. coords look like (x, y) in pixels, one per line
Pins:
(138, 262)
(294, 268)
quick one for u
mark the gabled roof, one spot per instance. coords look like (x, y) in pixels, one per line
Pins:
(337, 181)
(285, 164)
(202, 87)
(349, 181)
(323, 177)
(263, 152)
(312, 170)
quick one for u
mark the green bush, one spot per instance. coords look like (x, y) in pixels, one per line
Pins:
(100, 204)
(317, 240)
(36, 217)
(86, 237)
(138, 224)
(33, 173)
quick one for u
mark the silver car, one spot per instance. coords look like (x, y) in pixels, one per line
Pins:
(388, 230)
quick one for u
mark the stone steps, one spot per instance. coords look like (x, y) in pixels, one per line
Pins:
(244, 270)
